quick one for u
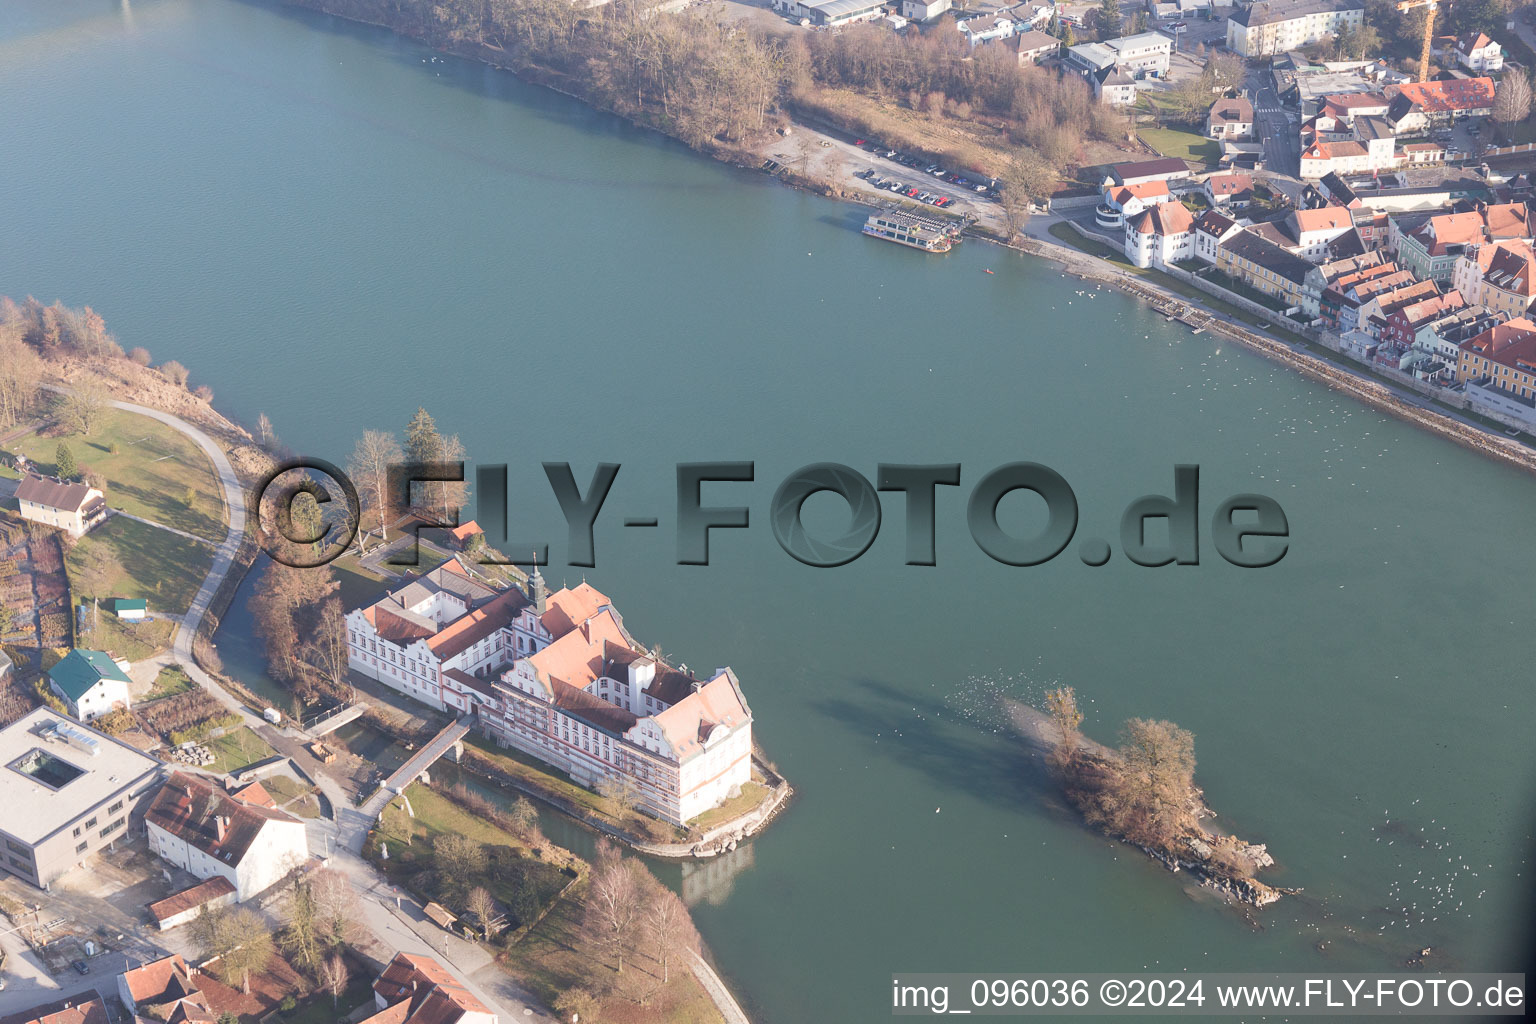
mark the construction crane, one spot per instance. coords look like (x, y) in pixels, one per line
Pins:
(1403, 7)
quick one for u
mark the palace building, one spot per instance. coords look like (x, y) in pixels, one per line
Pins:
(559, 677)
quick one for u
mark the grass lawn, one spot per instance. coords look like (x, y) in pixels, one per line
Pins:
(171, 681)
(752, 794)
(237, 749)
(410, 843)
(132, 640)
(553, 958)
(1184, 145)
(437, 815)
(163, 568)
(292, 797)
(148, 474)
(1093, 247)
(320, 1008)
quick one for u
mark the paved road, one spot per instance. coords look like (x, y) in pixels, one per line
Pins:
(223, 555)
(405, 927)
(1282, 144)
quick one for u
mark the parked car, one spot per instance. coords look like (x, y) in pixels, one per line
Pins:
(81, 966)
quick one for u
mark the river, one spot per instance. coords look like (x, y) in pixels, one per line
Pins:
(332, 225)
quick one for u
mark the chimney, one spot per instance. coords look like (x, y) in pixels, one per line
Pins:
(586, 629)
(220, 826)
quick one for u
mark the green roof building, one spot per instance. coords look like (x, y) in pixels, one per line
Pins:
(90, 683)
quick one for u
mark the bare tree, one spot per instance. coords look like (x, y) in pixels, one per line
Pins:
(375, 452)
(1061, 705)
(266, 437)
(482, 904)
(96, 569)
(81, 407)
(334, 976)
(20, 373)
(327, 645)
(1151, 796)
(460, 860)
(668, 927)
(336, 907)
(622, 791)
(1512, 100)
(524, 816)
(614, 903)
(174, 372)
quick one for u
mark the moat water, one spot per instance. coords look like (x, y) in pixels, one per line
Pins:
(331, 225)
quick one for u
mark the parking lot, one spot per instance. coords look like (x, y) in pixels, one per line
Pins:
(928, 183)
(90, 925)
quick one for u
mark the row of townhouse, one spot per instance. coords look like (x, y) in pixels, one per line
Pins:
(1449, 301)
(559, 677)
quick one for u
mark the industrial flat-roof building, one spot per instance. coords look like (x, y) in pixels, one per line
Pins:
(830, 13)
(68, 790)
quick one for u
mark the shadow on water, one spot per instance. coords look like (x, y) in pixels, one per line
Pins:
(481, 80)
(956, 754)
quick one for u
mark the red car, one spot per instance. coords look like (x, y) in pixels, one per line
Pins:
(911, 192)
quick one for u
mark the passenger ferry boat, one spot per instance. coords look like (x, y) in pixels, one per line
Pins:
(918, 232)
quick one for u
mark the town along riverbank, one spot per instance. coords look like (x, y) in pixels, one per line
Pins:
(1144, 795)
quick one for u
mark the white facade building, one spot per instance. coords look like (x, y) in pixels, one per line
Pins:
(559, 677)
(198, 827)
(1476, 52)
(1160, 235)
(1271, 27)
(73, 508)
(924, 10)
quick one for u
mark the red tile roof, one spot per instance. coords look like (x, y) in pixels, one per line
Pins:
(1164, 219)
(477, 624)
(688, 723)
(161, 981)
(1511, 344)
(1449, 95)
(568, 607)
(187, 899)
(1228, 109)
(1229, 184)
(191, 809)
(1508, 220)
(425, 990)
(53, 494)
(74, 1010)
(1511, 269)
(254, 794)
(1327, 218)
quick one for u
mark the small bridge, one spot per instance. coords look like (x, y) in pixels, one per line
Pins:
(329, 721)
(450, 739)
